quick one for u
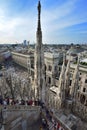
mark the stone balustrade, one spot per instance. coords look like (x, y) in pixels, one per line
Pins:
(21, 107)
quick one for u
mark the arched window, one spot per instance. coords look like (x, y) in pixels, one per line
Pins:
(55, 68)
(80, 73)
(86, 103)
(49, 67)
(49, 80)
(70, 82)
(82, 99)
(45, 67)
(85, 80)
(79, 78)
(84, 89)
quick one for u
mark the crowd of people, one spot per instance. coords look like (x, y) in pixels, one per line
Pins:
(10, 101)
(48, 117)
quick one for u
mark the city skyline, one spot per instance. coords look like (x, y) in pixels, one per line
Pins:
(63, 21)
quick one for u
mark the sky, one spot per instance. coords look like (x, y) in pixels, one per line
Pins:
(62, 21)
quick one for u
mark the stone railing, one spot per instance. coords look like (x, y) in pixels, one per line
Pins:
(22, 107)
(19, 107)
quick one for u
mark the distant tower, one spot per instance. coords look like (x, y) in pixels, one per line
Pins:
(39, 62)
(28, 46)
(25, 42)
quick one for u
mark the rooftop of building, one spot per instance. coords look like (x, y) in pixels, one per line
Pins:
(75, 50)
(71, 121)
(52, 54)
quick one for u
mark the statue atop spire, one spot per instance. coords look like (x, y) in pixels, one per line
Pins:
(39, 12)
(39, 7)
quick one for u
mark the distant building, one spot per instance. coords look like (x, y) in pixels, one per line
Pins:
(25, 42)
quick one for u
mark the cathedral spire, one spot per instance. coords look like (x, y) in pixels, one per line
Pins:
(39, 32)
(62, 81)
(39, 79)
(67, 77)
(63, 67)
(39, 12)
(75, 80)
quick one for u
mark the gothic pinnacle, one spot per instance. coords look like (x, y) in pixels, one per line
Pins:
(39, 11)
(39, 7)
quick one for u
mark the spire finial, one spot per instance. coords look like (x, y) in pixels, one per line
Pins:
(39, 7)
(39, 11)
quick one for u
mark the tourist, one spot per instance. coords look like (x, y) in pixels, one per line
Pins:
(41, 128)
(44, 123)
(4, 102)
(54, 125)
(58, 126)
(47, 127)
(1, 100)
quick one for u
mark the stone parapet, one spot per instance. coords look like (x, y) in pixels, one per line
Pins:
(20, 117)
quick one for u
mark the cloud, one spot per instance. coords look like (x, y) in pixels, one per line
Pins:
(64, 16)
(83, 32)
(55, 21)
(59, 12)
(16, 28)
(58, 20)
